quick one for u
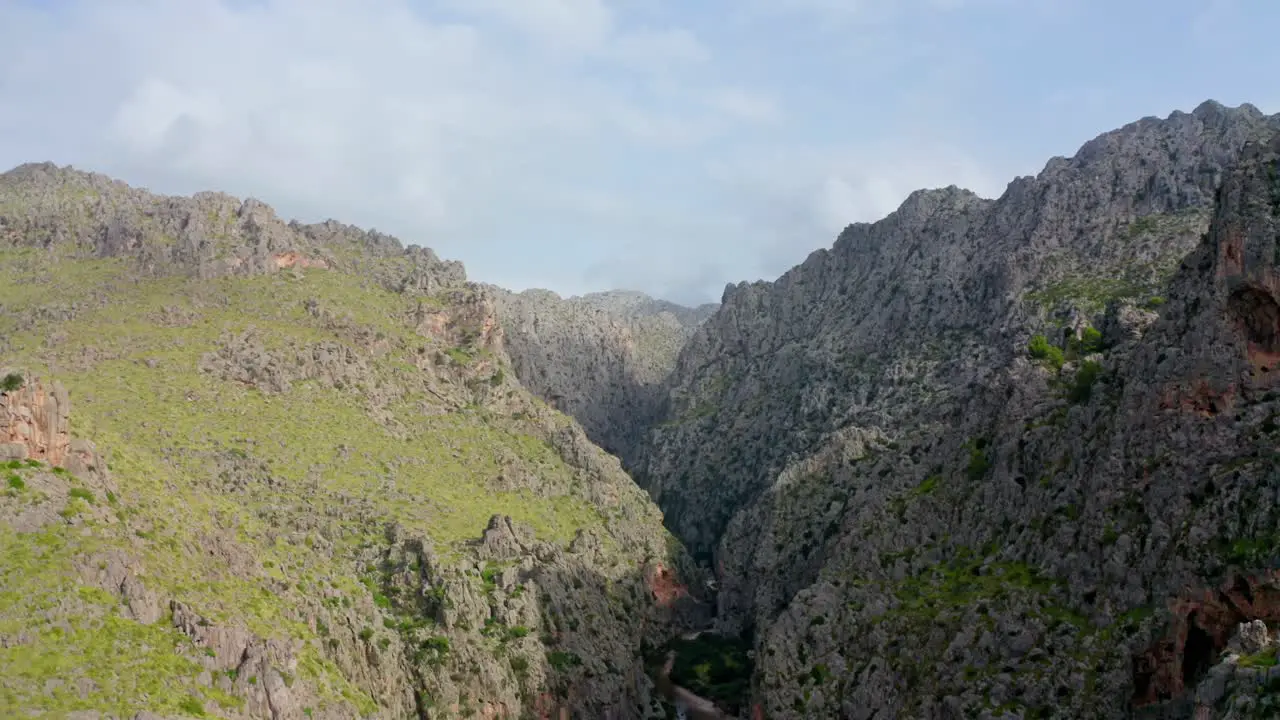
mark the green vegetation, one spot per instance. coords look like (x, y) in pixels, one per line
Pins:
(1091, 341)
(1082, 388)
(963, 583)
(928, 485)
(1248, 552)
(191, 706)
(1091, 294)
(125, 660)
(81, 493)
(1143, 225)
(393, 445)
(11, 382)
(563, 661)
(1040, 349)
(1265, 659)
(979, 463)
(714, 667)
(1273, 176)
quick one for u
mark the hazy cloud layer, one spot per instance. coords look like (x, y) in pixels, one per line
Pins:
(584, 144)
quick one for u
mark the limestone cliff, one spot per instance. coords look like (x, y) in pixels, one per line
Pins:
(994, 458)
(601, 357)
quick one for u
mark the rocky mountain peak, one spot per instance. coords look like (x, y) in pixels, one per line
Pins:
(989, 388)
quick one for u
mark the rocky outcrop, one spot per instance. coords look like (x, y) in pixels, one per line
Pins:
(34, 420)
(601, 357)
(207, 235)
(35, 423)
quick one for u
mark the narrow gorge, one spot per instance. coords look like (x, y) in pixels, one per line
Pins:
(983, 458)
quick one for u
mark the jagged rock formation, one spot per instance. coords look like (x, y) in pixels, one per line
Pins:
(956, 465)
(328, 496)
(601, 357)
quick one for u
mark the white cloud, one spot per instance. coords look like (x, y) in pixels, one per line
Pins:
(543, 142)
(576, 25)
(799, 198)
(746, 105)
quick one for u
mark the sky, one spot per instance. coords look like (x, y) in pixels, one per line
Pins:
(668, 146)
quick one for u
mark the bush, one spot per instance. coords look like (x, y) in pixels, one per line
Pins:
(978, 462)
(1091, 341)
(191, 706)
(1143, 225)
(562, 661)
(16, 482)
(1086, 376)
(81, 493)
(1040, 349)
(11, 382)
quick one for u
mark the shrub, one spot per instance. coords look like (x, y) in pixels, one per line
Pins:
(81, 493)
(1091, 341)
(191, 706)
(1086, 376)
(978, 464)
(16, 482)
(1040, 349)
(562, 661)
(1142, 226)
(11, 382)
(366, 634)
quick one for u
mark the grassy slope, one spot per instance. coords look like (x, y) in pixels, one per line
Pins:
(164, 424)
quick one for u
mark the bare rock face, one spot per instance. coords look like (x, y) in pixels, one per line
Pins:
(987, 453)
(601, 357)
(35, 423)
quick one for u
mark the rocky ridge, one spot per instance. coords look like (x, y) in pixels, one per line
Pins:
(600, 357)
(996, 458)
(300, 480)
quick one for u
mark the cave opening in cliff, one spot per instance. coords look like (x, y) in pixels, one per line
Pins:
(1197, 653)
(1258, 315)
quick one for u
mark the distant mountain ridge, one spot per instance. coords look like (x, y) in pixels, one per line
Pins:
(601, 357)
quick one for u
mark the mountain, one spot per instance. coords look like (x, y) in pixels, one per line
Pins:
(270, 470)
(601, 357)
(984, 458)
(1004, 458)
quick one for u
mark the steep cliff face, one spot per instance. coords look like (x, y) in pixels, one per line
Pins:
(957, 465)
(327, 495)
(601, 358)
